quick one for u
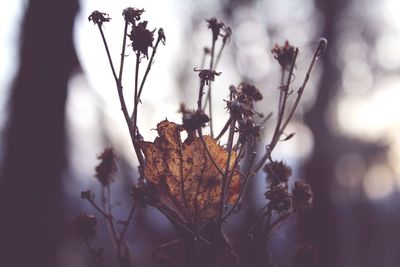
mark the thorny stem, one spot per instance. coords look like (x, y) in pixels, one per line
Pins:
(149, 66)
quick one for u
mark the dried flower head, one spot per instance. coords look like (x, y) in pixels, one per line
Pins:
(305, 256)
(302, 195)
(106, 169)
(215, 27)
(85, 226)
(131, 14)
(141, 38)
(251, 91)
(279, 198)
(87, 195)
(277, 172)
(207, 75)
(193, 120)
(284, 54)
(99, 17)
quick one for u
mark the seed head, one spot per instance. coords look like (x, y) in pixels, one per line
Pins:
(106, 169)
(141, 38)
(99, 17)
(131, 14)
(284, 54)
(302, 196)
(277, 172)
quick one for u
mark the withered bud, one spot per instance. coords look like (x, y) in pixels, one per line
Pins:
(106, 169)
(302, 195)
(207, 75)
(99, 17)
(251, 91)
(279, 198)
(161, 35)
(141, 38)
(284, 54)
(85, 227)
(206, 50)
(277, 172)
(227, 36)
(194, 120)
(131, 14)
(87, 195)
(305, 256)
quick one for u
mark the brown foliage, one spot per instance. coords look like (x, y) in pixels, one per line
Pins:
(187, 180)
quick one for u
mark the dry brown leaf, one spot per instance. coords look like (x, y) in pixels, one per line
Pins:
(186, 179)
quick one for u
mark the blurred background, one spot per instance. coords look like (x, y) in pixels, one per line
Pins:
(59, 109)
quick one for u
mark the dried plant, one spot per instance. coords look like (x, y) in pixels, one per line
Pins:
(197, 183)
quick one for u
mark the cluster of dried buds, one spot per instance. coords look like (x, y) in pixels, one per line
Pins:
(280, 199)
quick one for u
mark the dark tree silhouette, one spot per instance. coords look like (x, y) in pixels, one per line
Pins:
(30, 189)
(318, 225)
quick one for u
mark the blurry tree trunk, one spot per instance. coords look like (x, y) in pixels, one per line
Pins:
(30, 184)
(318, 226)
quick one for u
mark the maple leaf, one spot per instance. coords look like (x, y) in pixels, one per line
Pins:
(188, 182)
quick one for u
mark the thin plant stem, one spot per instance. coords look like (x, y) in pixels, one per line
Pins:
(243, 237)
(219, 55)
(278, 131)
(93, 254)
(108, 52)
(127, 222)
(319, 50)
(244, 186)
(224, 129)
(121, 66)
(150, 63)
(199, 131)
(285, 92)
(209, 97)
(122, 99)
(97, 207)
(136, 102)
(110, 228)
(225, 177)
